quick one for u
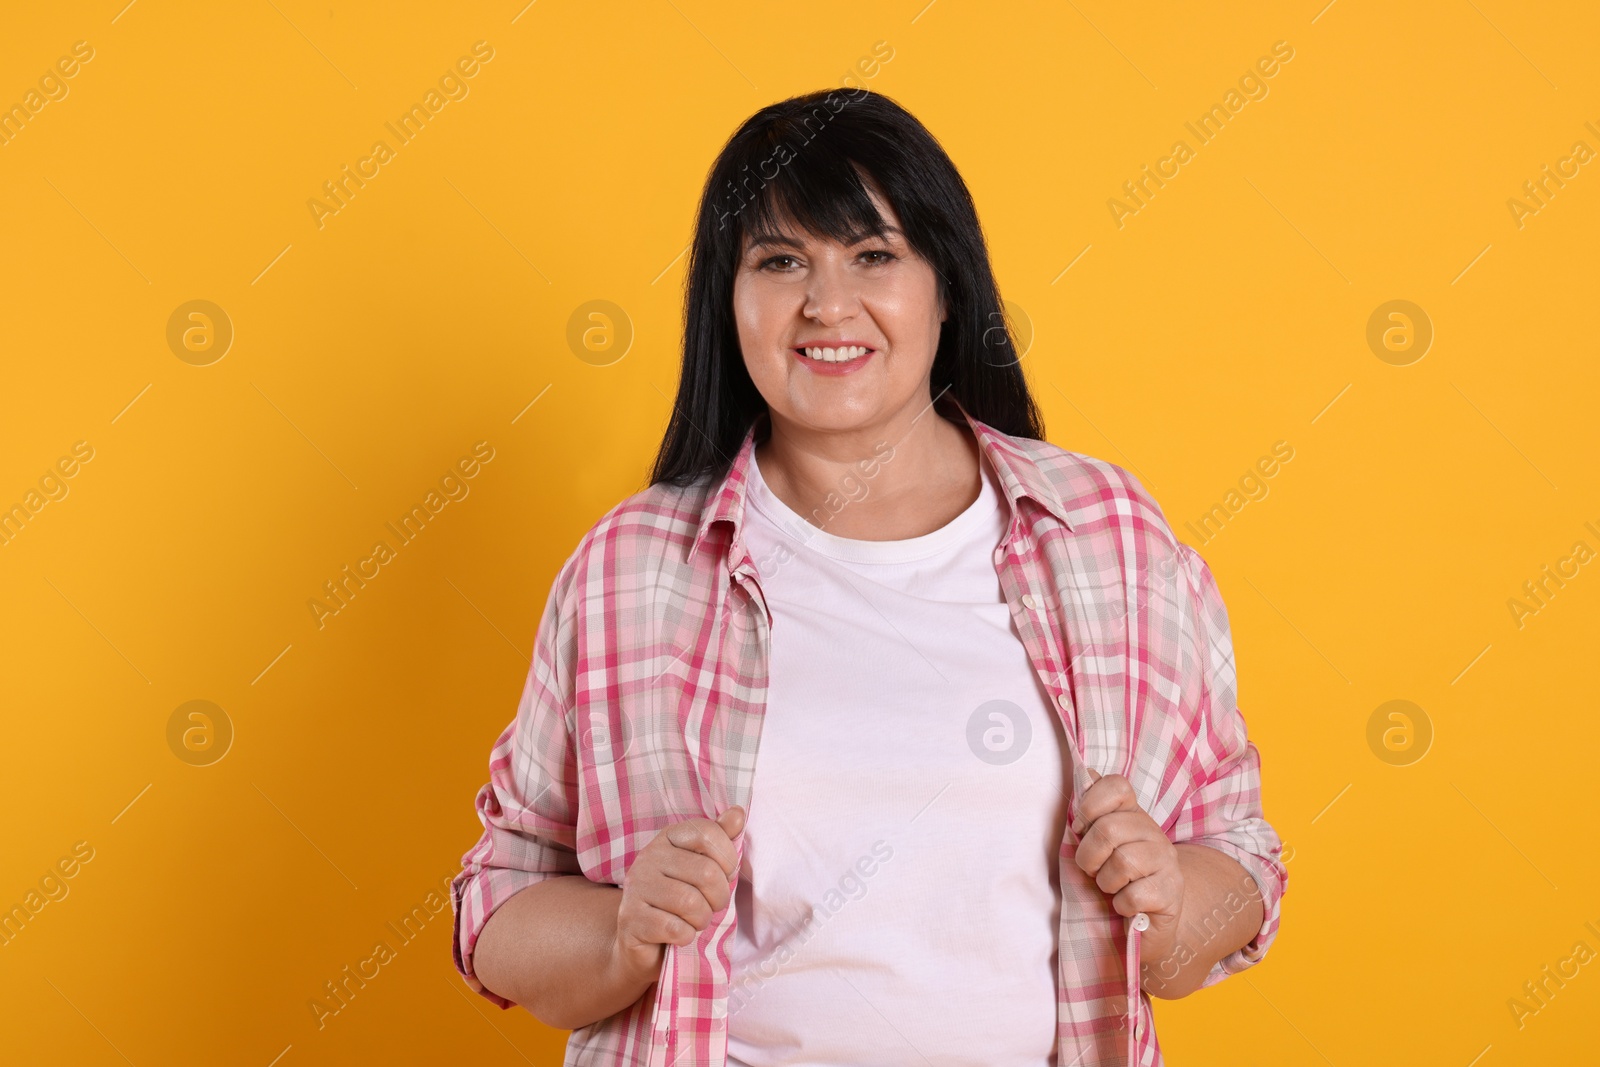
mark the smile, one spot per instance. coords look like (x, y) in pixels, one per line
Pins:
(834, 355)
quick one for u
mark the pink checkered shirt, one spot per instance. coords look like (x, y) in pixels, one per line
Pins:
(643, 707)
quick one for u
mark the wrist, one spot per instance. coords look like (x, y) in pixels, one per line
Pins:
(1162, 953)
(633, 970)
(1163, 957)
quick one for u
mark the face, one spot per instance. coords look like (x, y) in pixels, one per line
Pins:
(795, 291)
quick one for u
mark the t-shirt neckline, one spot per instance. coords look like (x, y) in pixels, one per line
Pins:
(851, 550)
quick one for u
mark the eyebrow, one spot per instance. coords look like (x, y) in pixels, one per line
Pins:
(778, 240)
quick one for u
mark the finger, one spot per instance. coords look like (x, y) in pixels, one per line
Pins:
(656, 926)
(707, 838)
(1108, 793)
(1118, 829)
(1148, 895)
(670, 895)
(1127, 864)
(733, 821)
(700, 872)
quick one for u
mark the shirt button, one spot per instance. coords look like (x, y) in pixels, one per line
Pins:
(1030, 601)
(1064, 700)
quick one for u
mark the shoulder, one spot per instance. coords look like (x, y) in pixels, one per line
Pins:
(1108, 505)
(1096, 493)
(633, 560)
(642, 535)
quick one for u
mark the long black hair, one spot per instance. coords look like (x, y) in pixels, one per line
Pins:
(799, 158)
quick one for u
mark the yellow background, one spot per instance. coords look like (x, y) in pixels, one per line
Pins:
(370, 353)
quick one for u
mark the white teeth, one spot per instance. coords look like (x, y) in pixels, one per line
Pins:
(835, 355)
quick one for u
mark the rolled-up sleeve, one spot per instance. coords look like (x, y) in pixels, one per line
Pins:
(1224, 809)
(528, 807)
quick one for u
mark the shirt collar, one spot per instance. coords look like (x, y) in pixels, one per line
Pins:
(1018, 474)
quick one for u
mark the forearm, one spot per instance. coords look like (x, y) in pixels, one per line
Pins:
(1221, 912)
(550, 949)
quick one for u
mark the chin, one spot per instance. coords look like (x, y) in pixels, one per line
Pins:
(840, 413)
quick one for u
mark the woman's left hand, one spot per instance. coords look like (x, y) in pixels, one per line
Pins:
(1127, 854)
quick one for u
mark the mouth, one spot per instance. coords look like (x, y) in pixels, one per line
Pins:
(839, 359)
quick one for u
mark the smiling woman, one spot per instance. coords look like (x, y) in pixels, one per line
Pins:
(913, 677)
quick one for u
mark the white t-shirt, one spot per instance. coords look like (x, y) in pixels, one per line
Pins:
(899, 897)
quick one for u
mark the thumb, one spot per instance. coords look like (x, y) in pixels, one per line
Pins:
(1094, 775)
(732, 821)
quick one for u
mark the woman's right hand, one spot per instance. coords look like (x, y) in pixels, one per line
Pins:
(676, 884)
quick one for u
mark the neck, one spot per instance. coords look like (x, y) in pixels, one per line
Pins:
(905, 477)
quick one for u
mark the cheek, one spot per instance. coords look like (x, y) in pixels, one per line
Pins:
(907, 308)
(750, 314)
(751, 299)
(760, 319)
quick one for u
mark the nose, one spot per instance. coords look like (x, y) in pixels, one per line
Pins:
(831, 295)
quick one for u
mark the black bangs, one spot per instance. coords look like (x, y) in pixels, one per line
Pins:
(808, 161)
(819, 189)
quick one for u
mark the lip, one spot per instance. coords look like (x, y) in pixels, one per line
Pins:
(835, 370)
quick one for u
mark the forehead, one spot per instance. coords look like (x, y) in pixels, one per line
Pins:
(787, 232)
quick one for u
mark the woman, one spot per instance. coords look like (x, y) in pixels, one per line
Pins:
(876, 728)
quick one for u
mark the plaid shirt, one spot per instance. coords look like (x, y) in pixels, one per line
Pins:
(643, 707)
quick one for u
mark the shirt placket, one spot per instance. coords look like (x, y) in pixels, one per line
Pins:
(670, 1048)
(1018, 582)
(1018, 567)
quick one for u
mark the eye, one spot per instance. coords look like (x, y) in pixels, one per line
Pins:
(769, 262)
(885, 253)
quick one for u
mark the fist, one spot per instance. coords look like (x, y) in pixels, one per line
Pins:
(678, 881)
(1129, 856)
